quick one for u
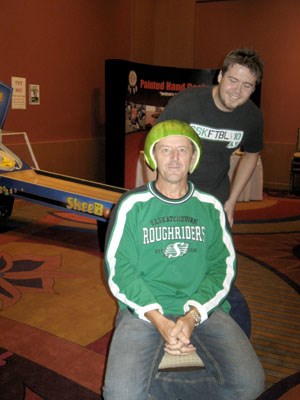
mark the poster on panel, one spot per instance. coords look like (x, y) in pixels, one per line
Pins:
(135, 95)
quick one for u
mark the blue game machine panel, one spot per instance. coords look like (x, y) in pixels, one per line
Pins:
(5, 99)
(8, 160)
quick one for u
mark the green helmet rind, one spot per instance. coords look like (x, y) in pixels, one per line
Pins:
(170, 128)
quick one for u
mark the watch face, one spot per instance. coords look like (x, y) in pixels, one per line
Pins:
(132, 78)
(197, 318)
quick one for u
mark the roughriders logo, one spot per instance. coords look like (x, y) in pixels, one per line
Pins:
(162, 233)
(176, 250)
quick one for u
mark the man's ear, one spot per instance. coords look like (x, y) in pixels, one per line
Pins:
(220, 75)
(193, 160)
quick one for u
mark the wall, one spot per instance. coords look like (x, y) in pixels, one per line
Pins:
(163, 32)
(61, 45)
(185, 34)
(273, 29)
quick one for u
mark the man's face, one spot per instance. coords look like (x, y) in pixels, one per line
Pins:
(235, 87)
(174, 155)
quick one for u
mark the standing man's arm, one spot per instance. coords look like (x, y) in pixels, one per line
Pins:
(244, 172)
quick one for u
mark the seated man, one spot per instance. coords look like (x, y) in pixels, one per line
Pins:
(171, 262)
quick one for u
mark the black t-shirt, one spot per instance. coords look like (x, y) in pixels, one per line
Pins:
(221, 134)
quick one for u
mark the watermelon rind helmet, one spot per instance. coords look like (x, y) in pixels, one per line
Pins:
(170, 128)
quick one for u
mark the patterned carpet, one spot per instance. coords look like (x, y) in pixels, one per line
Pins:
(56, 314)
(269, 278)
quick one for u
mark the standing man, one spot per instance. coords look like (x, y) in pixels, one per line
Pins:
(171, 262)
(225, 119)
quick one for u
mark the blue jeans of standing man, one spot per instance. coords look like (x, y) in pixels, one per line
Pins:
(232, 369)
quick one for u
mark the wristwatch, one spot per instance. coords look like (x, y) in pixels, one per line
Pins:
(196, 316)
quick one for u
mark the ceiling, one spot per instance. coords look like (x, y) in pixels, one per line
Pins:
(210, 1)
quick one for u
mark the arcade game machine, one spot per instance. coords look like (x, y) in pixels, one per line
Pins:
(19, 180)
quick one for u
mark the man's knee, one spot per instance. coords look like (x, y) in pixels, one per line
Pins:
(248, 385)
(254, 383)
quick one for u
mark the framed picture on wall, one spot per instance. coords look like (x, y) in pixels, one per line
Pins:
(34, 94)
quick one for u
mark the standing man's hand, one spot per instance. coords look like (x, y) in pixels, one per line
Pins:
(229, 207)
(243, 173)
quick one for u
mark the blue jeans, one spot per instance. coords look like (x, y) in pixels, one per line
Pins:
(232, 369)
